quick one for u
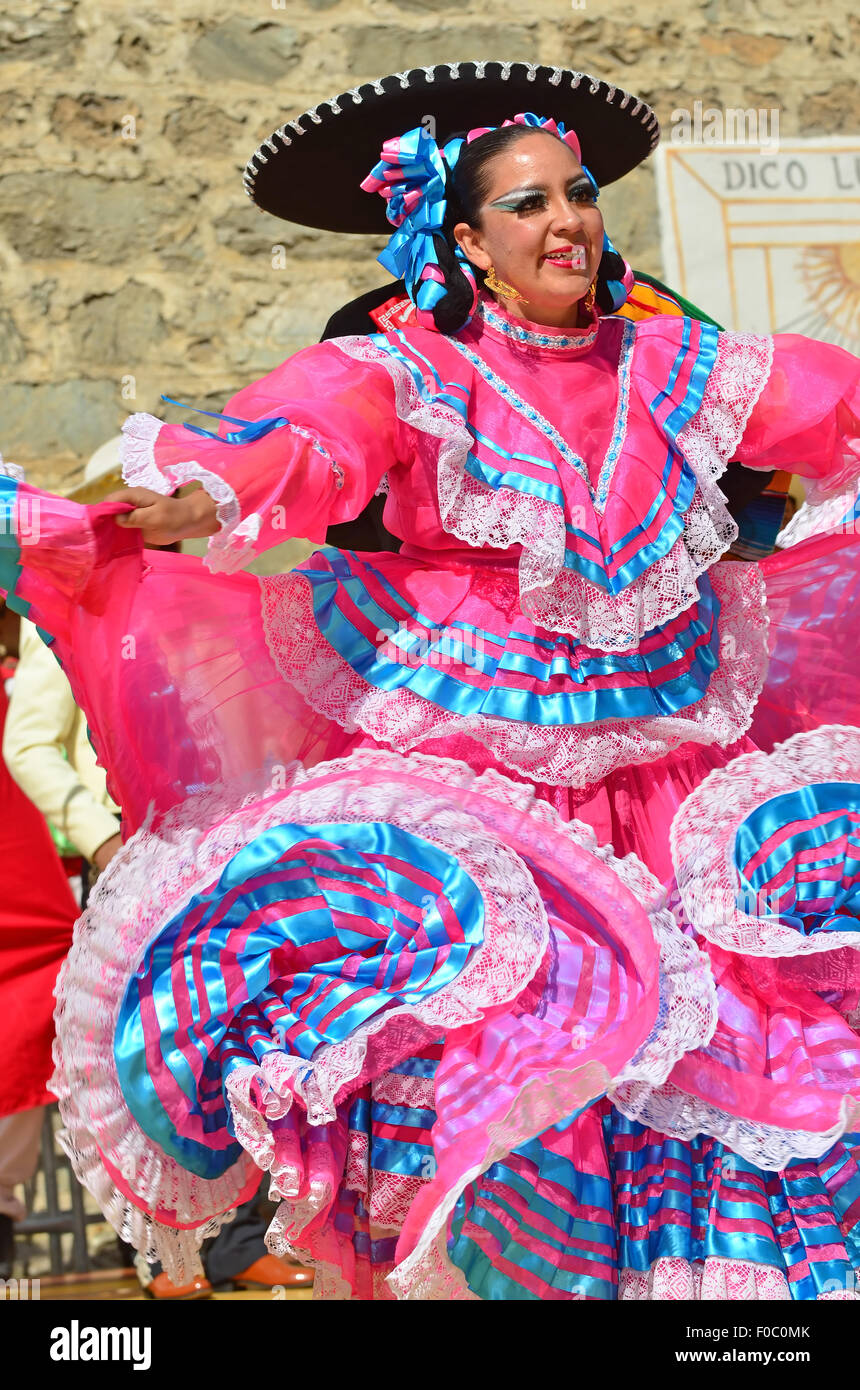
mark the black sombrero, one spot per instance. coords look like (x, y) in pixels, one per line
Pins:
(310, 169)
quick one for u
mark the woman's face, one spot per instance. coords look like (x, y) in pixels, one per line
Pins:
(539, 228)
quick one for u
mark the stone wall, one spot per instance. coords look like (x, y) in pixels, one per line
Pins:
(131, 262)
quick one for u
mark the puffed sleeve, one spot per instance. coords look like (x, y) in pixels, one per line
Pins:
(300, 449)
(807, 417)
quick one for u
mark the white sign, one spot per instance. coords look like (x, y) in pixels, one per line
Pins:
(766, 240)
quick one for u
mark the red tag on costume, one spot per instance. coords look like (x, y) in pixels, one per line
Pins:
(398, 312)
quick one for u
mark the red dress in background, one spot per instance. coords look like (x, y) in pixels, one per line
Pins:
(37, 913)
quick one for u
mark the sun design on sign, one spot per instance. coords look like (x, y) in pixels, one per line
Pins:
(831, 277)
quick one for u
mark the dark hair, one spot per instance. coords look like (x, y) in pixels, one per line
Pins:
(466, 191)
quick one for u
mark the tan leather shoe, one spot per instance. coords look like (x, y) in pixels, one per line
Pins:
(160, 1287)
(271, 1272)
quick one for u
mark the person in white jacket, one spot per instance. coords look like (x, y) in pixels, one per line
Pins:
(45, 743)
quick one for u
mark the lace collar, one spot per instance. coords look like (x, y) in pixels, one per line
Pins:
(496, 321)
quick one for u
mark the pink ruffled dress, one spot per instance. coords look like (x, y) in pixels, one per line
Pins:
(500, 897)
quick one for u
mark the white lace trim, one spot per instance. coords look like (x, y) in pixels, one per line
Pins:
(574, 755)
(617, 622)
(688, 1005)
(703, 839)
(11, 470)
(738, 377)
(329, 1284)
(517, 331)
(715, 1280)
(552, 595)
(669, 1279)
(235, 543)
(837, 512)
(682, 1116)
(432, 1279)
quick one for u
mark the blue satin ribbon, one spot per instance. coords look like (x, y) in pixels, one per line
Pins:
(721, 1221)
(668, 1197)
(428, 680)
(456, 395)
(10, 546)
(399, 1155)
(291, 915)
(691, 1212)
(706, 356)
(251, 429)
(416, 1066)
(502, 1219)
(792, 813)
(646, 555)
(379, 1251)
(497, 478)
(410, 249)
(618, 291)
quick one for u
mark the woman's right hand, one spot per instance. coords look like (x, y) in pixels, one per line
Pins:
(165, 520)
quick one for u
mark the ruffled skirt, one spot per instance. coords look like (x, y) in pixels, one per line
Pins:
(490, 1036)
(598, 1207)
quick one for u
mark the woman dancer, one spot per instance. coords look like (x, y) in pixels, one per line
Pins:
(561, 1004)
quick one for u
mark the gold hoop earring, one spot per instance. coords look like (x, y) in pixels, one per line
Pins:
(588, 300)
(498, 286)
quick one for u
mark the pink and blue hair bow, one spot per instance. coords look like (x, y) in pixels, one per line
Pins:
(411, 177)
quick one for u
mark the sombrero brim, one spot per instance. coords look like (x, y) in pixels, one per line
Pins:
(310, 169)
